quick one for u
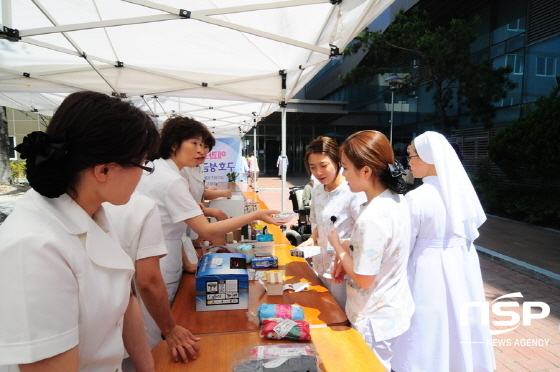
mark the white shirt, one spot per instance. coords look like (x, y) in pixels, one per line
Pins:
(195, 179)
(380, 242)
(253, 164)
(138, 226)
(65, 282)
(171, 192)
(342, 203)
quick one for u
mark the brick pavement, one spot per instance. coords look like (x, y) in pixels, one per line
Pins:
(534, 346)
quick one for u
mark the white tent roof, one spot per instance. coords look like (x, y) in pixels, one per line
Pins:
(190, 54)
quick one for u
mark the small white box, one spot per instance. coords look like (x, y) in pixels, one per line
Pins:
(306, 252)
(233, 207)
(263, 249)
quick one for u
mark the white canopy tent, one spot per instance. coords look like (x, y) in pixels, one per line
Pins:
(193, 55)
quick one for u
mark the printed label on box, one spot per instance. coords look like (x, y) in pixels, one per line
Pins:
(222, 292)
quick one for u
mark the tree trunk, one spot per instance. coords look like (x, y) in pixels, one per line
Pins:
(442, 113)
(5, 170)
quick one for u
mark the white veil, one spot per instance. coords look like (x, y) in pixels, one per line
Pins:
(459, 196)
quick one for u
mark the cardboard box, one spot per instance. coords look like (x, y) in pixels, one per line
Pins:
(222, 282)
(275, 282)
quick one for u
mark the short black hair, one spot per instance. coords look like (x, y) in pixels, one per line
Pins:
(178, 128)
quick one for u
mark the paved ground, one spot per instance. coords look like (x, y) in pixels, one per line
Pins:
(510, 251)
(512, 255)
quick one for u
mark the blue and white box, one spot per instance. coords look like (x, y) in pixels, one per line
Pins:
(222, 282)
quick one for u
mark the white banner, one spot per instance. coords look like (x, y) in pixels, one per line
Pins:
(224, 158)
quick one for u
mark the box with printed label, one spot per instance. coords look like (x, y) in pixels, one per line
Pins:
(222, 282)
(264, 262)
(264, 246)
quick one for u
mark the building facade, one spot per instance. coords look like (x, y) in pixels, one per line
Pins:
(524, 34)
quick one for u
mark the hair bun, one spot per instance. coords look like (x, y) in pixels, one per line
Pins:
(45, 173)
(393, 178)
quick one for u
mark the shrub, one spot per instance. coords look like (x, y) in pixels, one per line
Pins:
(528, 147)
(19, 169)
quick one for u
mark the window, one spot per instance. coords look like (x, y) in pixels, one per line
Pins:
(517, 25)
(516, 63)
(12, 150)
(546, 66)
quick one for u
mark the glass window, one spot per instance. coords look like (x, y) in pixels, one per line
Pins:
(516, 63)
(546, 66)
(12, 150)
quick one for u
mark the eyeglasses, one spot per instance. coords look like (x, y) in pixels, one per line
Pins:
(148, 167)
(410, 157)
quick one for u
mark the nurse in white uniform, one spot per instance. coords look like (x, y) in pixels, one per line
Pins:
(182, 142)
(330, 197)
(66, 282)
(443, 268)
(379, 304)
(195, 178)
(138, 226)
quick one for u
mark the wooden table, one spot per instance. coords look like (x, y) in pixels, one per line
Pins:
(225, 332)
(340, 349)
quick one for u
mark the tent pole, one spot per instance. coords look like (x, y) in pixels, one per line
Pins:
(283, 159)
(7, 13)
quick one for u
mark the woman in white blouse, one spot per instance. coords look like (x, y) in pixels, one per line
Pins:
(443, 268)
(66, 283)
(182, 145)
(379, 304)
(330, 198)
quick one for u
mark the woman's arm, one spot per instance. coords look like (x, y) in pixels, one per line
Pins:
(347, 262)
(64, 362)
(134, 337)
(215, 230)
(154, 294)
(312, 240)
(214, 194)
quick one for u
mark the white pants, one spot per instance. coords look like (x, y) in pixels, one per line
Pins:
(382, 349)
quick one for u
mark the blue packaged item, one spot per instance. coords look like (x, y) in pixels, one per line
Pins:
(265, 238)
(264, 262)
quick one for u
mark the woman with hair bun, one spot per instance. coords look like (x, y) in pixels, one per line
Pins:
(66, 283)
(379, 303)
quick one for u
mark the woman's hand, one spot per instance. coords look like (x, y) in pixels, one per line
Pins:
(338, 272)
(334, 240)
(307, 243)
(266, 215)
(182, 343)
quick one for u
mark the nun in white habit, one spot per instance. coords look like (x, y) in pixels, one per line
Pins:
(443, 268)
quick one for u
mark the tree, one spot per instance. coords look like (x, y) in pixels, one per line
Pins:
(528, 147)
(5, 170)
(438, 58)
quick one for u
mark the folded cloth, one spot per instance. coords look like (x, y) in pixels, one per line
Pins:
(280, 311)
(286, 329)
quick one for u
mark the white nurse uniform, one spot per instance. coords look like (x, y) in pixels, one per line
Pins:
(138, 226)
(171, 192)
(65, 282)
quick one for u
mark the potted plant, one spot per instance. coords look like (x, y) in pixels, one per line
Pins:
(232, 176)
